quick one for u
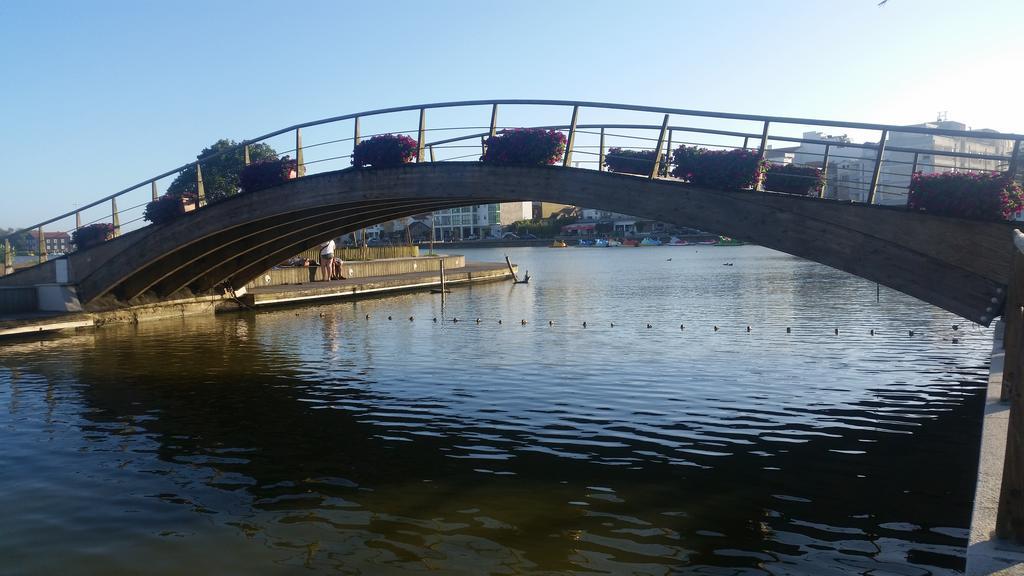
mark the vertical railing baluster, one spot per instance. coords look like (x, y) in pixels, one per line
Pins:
(657, 149)
(824, 171)
(483, 147)
(422, 135)
(746, 141)
(41, 247)
(878, 167)
(8, 263)
(355, 131)
(246, 159)
(668, 152)
(913, 170)
(115, 218)
(1014, 160)
(494, 120)
(78, 220)
(432, 154)
(200, 190)
(300, 163)
(153, 191)
(600, 155)
(572, 137)
(759, 185)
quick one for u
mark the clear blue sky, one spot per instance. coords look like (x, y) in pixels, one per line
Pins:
(102, 94)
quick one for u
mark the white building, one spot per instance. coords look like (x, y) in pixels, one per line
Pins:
(850, 169)
(479, 221)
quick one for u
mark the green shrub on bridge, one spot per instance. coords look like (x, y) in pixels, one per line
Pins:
(981, 195)
(92, 235)
(524, 147)
(267, 173)
(718, 169)
(793, 179)
(385, 151)
(167, 208)
(629, 161)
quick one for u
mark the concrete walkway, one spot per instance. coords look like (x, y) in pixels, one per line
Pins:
(986, 555)
(355, 287)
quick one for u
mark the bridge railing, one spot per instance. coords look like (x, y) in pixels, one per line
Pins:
(871, 163)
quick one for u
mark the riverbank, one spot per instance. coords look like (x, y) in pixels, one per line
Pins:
(426, 277)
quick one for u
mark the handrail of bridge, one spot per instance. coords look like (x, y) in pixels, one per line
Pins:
(762, 138)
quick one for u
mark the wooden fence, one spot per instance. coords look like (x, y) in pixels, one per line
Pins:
(367, 253)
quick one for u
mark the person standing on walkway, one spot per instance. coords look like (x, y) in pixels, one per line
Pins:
(326, 259)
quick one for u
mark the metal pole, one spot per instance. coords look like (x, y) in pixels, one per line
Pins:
(824, 170)
(114, 217)
(444, 280)
(572, 136)
(153, 190)
(878, 167)
(246, 158)
(600, 157)
(200, 191)
(432, 154)
(657, 149)
(355, 131)
(422, 136)
(746, 140)
(78, 220)
(300, 164)
(761, 152)
(431, 233)
(494, 120)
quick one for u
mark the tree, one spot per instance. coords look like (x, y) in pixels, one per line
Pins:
(22, 243)
(220, 174)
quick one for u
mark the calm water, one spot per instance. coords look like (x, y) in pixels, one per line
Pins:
(279, 442)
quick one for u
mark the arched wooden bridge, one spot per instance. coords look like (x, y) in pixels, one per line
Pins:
(962, 266)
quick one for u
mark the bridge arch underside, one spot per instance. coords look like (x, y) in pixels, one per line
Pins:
(958, 265)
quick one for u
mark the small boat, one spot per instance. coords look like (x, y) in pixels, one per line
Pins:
(558, 244)
(708, 242)
(726, 241)
(630, 242)
(648, 241)
(601, 243)
(586, 243)
(613, 243)
(677, 242)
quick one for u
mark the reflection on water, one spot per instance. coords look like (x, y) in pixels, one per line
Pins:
(260, 443)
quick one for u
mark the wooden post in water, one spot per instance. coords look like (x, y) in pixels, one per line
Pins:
(1010, 515)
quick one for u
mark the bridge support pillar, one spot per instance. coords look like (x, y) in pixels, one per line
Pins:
(1010, 515)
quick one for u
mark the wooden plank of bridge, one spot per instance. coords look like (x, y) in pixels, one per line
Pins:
(1010, 517)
